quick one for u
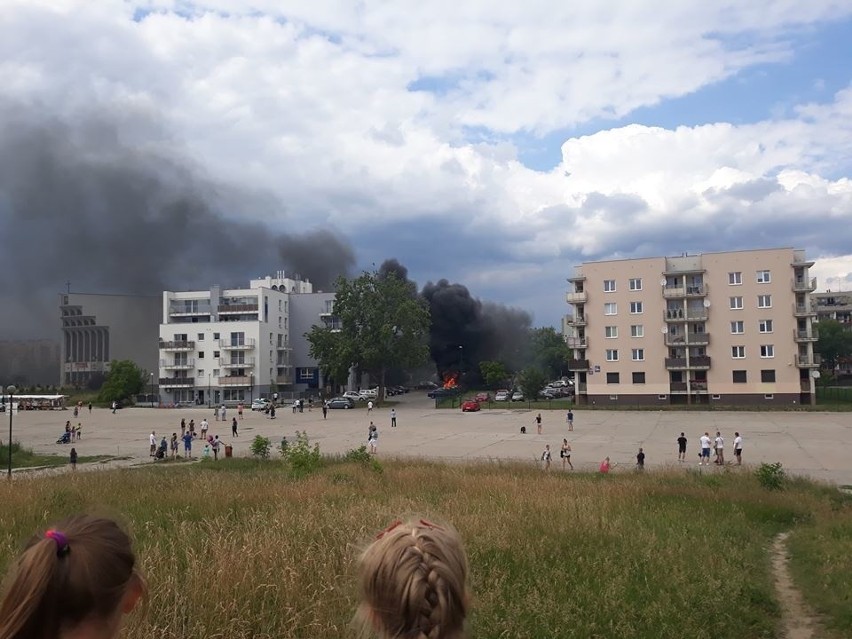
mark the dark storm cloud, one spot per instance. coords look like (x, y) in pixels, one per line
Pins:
(77, 204)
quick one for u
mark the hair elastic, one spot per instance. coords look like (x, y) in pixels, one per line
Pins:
(61, 540)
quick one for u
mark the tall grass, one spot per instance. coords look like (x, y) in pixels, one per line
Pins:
(242, 549)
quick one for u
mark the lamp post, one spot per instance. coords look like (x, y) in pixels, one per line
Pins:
(11, 389)
(152, 390)
(251, 387)
(461, 350)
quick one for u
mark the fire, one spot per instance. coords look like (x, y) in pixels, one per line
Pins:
(450, 380)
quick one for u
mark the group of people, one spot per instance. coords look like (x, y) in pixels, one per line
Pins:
(717, 445)
(412, 579)
(165, 447)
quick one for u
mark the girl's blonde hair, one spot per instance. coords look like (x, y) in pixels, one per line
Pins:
(78, 571)
(413, 582)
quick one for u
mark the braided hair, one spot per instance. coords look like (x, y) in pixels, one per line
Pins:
(413, 583)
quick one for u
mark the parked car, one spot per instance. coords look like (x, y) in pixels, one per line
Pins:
(439, 393)
(367, 394)
(502, 395)
(341, 402)
(517, 396)
(353, 395)
(482, 397)
(470, 406)
(260, 404)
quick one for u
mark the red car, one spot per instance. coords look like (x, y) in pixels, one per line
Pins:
(482, 397)
(470, 406)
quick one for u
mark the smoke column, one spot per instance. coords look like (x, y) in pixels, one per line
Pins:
(98, 204)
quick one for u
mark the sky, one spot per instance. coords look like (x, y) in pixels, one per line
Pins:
(493, 144)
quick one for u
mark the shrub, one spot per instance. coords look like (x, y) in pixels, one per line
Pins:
(302, 457)
(771, 476)
(361, 456)
(260, 447)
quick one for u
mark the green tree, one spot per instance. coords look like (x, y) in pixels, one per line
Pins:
(382, 325)
(835, 342)
(548, 351)
(532, 380)
(494, 373)
(124, 380)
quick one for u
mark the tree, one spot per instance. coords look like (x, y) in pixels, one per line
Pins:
(548, 351)
(532, 380)
(383, 324)
(124, 380)
(494, 373)
(835, 342)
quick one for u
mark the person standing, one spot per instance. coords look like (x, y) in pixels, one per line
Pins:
(272, 412)
(216, 413)
(173, 445)
(152, 440)
(114, 406)
(223, 413)
(324, 408)
(705, 450)
(719, 442)
(393, 418)
(370, 407)
(545, 457)
(234, 431)
(373, 438)
(738, 448)
(538, 423)
(192, 428)
(187, 444)
(605, 466)
(90, 408)
(215, 446)
(640, 460)
(570, 419)
(205, 426)
(73, 459)
(681, 448)
(565, 453)
(182, 427)
(240, 410)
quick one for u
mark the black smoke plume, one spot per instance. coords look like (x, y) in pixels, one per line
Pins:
(483, 330)
(100, 204)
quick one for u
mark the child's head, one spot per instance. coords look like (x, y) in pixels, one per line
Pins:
(413, 582)
(80, 575)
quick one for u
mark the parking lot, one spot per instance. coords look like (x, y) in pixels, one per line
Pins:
(805, 443)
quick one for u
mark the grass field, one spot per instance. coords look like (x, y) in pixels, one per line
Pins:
(26, 458)
(244, 549)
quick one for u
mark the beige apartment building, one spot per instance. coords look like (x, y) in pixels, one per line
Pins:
(714, 328)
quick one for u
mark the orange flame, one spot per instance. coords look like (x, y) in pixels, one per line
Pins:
(450, 380)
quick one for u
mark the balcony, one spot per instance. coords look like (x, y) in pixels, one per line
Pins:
(805, 285)
(677, 387)
(246, 344)
(578, 364)
(172, 382)
(284, 347)
(177, 365)
(675, 292)
(696, 362)
(693, 339)
(243, 380)
(248, 362)
(803, 310)
(699, 362)
(689, 315)
(237, 308)
(806, 335)
(577, 319)
(808, 361)
(189, 310)
(676, 363)
(800, 261)
(577, 276)
(577, 342)
(695, 386)
(576, 297)
(177, 346)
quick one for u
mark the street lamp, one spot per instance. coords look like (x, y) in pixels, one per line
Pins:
(11, 389)
(152, 390)
(461, 350)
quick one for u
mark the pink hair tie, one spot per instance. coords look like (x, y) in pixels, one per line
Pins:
(61, 540)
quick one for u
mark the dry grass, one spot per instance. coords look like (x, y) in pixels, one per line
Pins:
(242, 550)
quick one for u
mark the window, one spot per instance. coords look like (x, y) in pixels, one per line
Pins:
(763, 277)
(612, 354)
(635, 284)
(764, 301)
(717, 397)
(765, 326)
(738, 352)
(215, 335)
(738, 327)
(610, 308)
(736, 302)
(635, 308)
(740, 377)
(612, 378)
(736, 278)
(215, 353)
(609, 286)
(611, 331)
(637, 330)
(201, 337)
(200, 372)
(767, 376)
(638, 354)
(215, 372)
(769, 396)
(200, 354)
(639, 378)
(767, 350)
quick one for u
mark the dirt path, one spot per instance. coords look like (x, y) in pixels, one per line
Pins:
(797, 619)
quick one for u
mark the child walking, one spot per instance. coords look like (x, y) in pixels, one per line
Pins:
(413, 583)
(85, 560)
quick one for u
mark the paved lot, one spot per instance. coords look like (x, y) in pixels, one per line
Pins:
(811, 444)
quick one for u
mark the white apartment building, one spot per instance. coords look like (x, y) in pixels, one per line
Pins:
(725, 328)
(230, 345)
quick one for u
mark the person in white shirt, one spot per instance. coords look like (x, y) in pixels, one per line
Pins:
(204, 426)
(705, 450)
(153, 440)
(738, 448)
(720, 449)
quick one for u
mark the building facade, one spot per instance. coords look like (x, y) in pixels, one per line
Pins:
(725, 328)
(97, 329)
(834, 306)
(232, 345)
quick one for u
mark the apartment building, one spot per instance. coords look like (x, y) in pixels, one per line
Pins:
(725, 328)
(231, 345)
(835, 305)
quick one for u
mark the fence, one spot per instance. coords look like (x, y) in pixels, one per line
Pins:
(839, 394)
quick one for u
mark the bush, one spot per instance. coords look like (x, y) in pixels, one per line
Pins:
(361, 456)
(771, 476)
(302, 457)
(260, 447)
